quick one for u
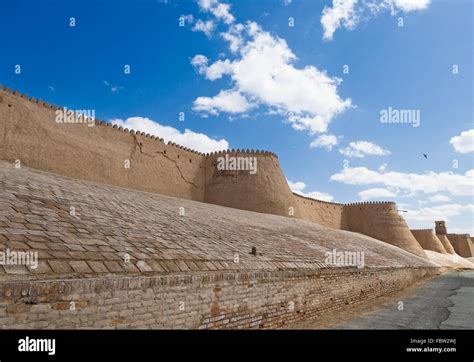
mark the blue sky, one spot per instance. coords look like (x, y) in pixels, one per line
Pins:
(244, 78)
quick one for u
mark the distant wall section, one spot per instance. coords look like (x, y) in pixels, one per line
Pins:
(320, 212)
(381, 220)
(428, 240)
(461, 244)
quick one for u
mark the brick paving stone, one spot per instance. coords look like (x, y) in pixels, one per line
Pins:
(113, 266)
(143, 266)
(16, 269)
(42, 268)
(98, 266)
(80, 266)
(60, 267)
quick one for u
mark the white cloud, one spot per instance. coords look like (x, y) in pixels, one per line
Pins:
(218, 9)
(218, 69)
(234, 37)
(383, 167)
(199, 62)
(464, 143)
(196, 141)
(462, 230)
(207, 27)
(229, 101)
(342, 13)
(349, 13)
(323, 196)
(430, 182)
(298, 187)
(376, 193)
(409, 5)
(439, 198)
(361, 149)
(459, 217)
(326, 141)
(427, 215)
(264, 73)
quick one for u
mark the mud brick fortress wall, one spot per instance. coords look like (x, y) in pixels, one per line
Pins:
(182, 271)
(429, 241)
(217, 300)
(30, 134)
(462, 244)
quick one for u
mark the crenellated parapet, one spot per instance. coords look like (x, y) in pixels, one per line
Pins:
(33, 100)
(371, 204)
(382, 221)
(241, 152)
(311, 199)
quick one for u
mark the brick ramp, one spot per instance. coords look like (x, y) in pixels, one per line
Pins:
(130, 259)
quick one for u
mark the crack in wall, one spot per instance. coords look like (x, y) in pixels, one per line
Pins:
(140, 145)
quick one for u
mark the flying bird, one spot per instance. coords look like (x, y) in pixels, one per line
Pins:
(425, 156)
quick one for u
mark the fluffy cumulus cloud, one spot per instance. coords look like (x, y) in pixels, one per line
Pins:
(408, 5)
(207, 27)
(376, 193)
(349, 13)
(361, 149)
(464, 143)
(427, 215)
(298, 188)
(326, 141)
(220, 10)
(229, 101)
(263, 74)
(196, 141)
(342, 13)
(429, 182)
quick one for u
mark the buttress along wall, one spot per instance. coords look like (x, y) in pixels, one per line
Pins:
(101, 153)
(381, 221)
(461, 244)
(446, 243)
(428, 240)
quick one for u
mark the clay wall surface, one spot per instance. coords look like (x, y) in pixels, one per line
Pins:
(461, 244)
(320, 212)
(264, 191)
(198, 301)
(30, 134)
(446, 243)
(428, 240)
(381, 220)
